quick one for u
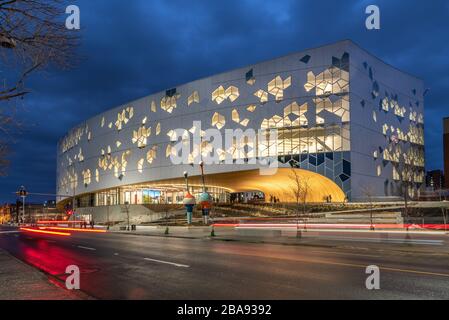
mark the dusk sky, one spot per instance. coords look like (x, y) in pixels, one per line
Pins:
(131, 49)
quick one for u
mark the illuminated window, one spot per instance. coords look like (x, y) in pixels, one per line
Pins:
(296, 114)
(72, 139)
(97, 175)
(413, 115)
(379, 170)
(245, 122)
(193, 98)
(120, 166)
(262, 95)
(151, 155)
(220, 94)
(158, 129)
(141, 136)
(375, 155)
(331, 81)
(172, 135)
(421, 118)
(102, 122)
(232, 93)
(169, 151)
(385, 104)
(251, 108)
(153, 107)
(398, 110)
(80, 156)
(396, 175)
(169, 103)
(87, 176)
(140, 165)
(118, 144)
(277, 86)
(374, 116)
(340, 108)
(123, 117)
(218, 120)
(235, 116)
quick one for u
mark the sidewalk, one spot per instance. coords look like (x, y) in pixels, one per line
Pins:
(412, 242)
(18, 281)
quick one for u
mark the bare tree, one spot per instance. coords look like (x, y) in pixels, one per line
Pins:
(300, 191)
(33, 38)
(368, 192)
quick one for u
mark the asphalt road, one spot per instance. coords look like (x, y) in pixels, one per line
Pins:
(117, 266)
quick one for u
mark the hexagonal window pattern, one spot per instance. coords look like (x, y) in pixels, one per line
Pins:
(262, 95)
(296, 114)
(123, 117)
(141, 136)
(151, 155)
(277, 86)
(220, 94)
(218, 120)
(169, 103)
(193, 98)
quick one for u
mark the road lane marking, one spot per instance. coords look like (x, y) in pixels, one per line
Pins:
(87, 248)
(347, 253)
(167, 262)
(8, 232)
(324, 262)
(380, 240)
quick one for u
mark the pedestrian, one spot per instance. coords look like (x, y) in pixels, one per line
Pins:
(92, 224)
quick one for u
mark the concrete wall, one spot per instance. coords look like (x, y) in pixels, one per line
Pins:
(137, 213)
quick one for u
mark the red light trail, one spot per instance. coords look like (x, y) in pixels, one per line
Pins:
(74, 229)
(45, 232)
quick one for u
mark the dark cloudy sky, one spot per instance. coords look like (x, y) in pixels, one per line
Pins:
(137, 47)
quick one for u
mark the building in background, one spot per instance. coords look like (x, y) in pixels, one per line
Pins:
(350, 124)
(446, 150)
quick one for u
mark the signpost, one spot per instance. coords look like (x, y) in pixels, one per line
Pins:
(23, 194)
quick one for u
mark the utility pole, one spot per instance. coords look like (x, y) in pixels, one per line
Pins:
(127, 212)
(109, 203)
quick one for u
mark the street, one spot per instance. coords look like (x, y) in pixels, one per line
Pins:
(120, 266)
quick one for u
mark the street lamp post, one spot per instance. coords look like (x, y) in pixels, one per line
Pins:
(109, 203)
(127, 213)
(22, 193)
